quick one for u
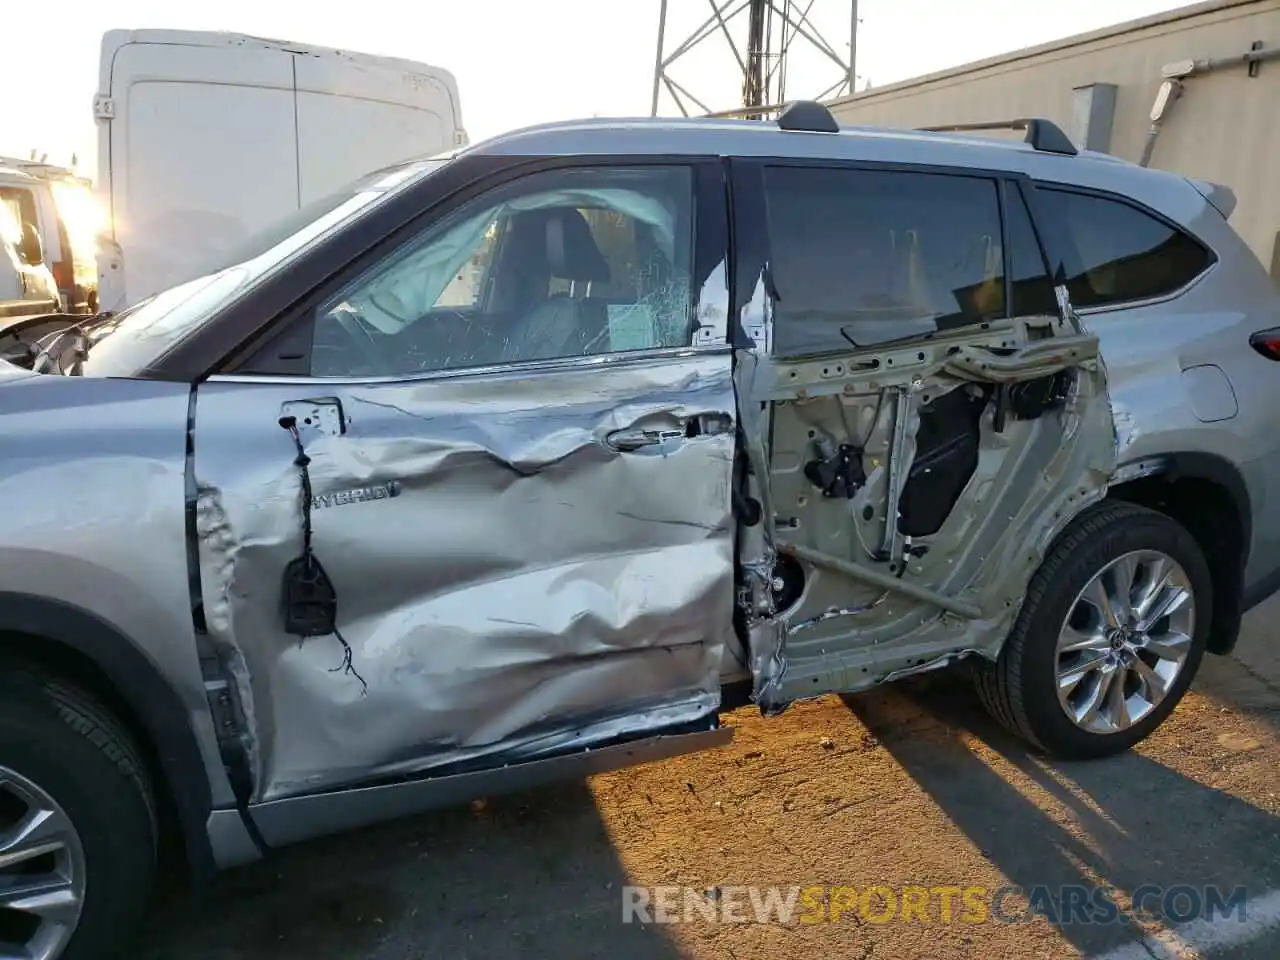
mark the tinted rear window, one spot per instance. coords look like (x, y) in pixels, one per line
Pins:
(868, 256)
(1121, 254)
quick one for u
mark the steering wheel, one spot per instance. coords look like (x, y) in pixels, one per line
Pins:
(443, 339)
(425, 345)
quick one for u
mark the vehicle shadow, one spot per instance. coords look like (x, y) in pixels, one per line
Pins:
(528, 875)
(1120, 823)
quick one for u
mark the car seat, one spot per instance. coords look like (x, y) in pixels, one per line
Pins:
(565, 324)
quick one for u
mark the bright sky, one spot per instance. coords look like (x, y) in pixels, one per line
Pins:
(517, 61)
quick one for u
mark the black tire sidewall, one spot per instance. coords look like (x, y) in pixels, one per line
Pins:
(1128, 532)
(110, 815)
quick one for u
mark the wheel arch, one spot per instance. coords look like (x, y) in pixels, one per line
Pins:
(1207, 494)
(80, 647)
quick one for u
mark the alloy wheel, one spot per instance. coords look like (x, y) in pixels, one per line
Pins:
(1125, 641)
(42, 872)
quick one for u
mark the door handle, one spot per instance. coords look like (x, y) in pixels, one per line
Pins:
(635, 438)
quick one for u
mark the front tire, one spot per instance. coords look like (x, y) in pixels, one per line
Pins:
(1109, 637)
(77, 822)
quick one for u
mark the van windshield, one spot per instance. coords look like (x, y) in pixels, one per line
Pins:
(131, 340)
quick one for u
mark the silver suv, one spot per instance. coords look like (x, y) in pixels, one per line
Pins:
(527, 462)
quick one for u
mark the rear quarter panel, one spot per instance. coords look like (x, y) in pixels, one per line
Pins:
(1148, 347)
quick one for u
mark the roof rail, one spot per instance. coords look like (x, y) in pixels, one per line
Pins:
(745, 113)
(1043, 135)
(42, 170)
(803, 115)
(33, 164)
(808, 116)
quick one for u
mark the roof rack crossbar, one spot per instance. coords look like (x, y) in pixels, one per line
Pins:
(1043, 135)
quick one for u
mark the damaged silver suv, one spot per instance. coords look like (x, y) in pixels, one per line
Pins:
(527, 462)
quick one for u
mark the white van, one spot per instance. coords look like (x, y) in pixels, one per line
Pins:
(205, 138)
(27, 287)
(65, 211)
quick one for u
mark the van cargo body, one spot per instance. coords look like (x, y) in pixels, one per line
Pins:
(206, 138)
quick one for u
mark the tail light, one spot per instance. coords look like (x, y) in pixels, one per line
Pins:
(63, 275)
(1267, 343)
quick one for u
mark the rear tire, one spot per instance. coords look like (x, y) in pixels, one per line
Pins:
(1021, 689)
(63, 753)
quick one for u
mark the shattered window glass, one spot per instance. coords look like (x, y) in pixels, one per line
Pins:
(867, 256)
(466, 286)
(563, 264)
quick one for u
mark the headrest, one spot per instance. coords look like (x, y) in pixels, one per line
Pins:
(571, 250)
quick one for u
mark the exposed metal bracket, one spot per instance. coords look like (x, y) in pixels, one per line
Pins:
(104, 108)
(891, 545)
(323, 415)
(883, 580)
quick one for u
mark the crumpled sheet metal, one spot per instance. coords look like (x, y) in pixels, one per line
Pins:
(527, 589)
(758, 549)
(984, 554)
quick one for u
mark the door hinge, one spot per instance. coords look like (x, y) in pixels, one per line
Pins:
(104, 108)
(223, 708)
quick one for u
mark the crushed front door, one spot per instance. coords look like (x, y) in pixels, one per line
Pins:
(916, 452)
(523, 565)
(515, 448)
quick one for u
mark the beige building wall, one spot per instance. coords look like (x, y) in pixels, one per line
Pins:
(1225, 128)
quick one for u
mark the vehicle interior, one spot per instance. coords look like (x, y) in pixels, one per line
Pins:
(560, 280)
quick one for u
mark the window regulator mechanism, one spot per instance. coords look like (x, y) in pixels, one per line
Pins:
(838, 471)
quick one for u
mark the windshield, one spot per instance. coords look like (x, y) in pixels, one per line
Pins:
(143, 332)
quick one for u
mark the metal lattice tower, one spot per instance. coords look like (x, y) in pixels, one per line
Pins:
(761, 43)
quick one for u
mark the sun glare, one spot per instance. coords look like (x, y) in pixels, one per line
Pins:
(81, 212)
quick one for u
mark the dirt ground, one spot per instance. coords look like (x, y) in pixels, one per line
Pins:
(910, 785)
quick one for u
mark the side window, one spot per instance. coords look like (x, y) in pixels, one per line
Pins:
(22, 202)
(567, 263)
(467, 285)
(866, 256)
(19, 212)
(1121, 253)
(10, 220)
(1032, 287)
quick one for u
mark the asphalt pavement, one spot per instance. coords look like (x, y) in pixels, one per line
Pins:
(861, 804)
